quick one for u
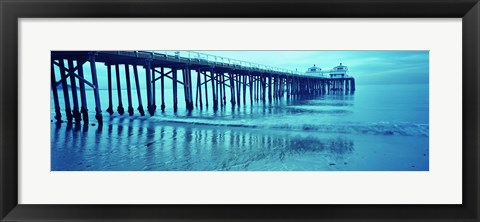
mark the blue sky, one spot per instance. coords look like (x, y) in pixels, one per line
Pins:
(368, 67)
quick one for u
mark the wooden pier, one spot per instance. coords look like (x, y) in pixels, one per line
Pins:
(215, 78)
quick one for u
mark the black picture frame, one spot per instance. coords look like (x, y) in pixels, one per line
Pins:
(12, 10)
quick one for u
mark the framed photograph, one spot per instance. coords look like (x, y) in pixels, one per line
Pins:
(227, 110)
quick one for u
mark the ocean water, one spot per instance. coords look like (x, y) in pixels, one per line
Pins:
(379, 128)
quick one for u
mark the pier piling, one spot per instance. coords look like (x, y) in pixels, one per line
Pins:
(162, 86)
(224, 83)
(66, 98)
(154, 99)
(206, 88)
(175, 101)
(129, 88)
(187, 83)
(98, 106)
(149, 88)
(270, 88)
(120, 108)
(58, 113)
(232, 89)
(199, 89)
(237, 82)
(139, 95)
(221, 89)
(109, 79)
(244, 89)
(251, 89)
(83, 96)
(73, 86)
(214, 89)
(190, 89)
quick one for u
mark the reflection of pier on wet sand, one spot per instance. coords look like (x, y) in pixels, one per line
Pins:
(217, 75)
(140, 144)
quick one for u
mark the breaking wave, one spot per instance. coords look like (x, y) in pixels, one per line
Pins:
(379, 128)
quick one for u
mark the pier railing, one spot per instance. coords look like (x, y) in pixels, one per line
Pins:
(225, 61)
(220, 60)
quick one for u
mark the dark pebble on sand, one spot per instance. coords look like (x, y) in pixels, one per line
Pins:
(345, 163)
(332, 164)
(389, 133)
